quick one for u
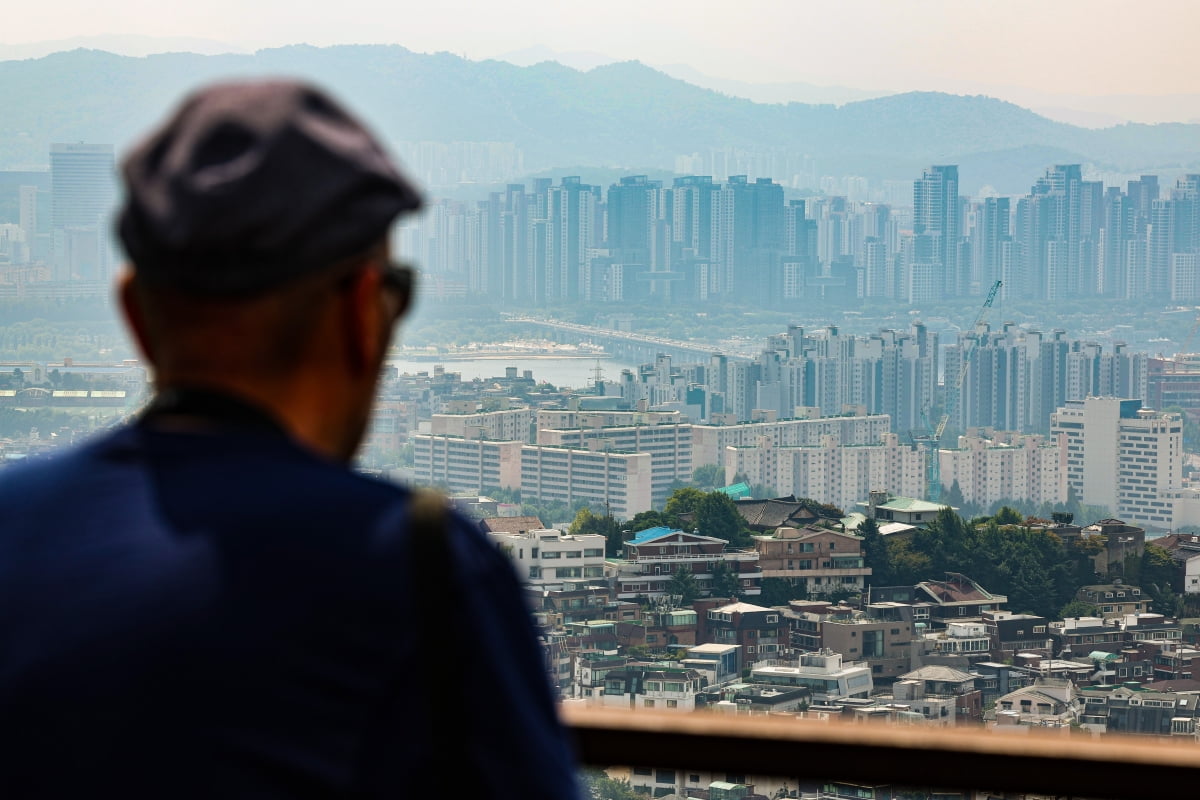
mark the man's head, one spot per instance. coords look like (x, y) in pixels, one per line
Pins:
(256, 224)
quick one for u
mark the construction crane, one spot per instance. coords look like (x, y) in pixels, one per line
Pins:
(933, 469)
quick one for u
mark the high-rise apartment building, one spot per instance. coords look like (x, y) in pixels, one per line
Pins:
(82, 199)
(1017, 378)
(830, 471)
(1005, 466)
(936, 227)
(1122, 456)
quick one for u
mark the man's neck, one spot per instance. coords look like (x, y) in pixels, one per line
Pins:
(315, 416)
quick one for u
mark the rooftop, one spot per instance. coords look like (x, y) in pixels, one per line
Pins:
(936, 672)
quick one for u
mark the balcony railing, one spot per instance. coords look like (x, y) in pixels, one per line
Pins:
(953, 759)
(729, 555)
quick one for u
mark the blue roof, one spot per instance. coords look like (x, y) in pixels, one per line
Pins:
(737, 491)
(641, 537)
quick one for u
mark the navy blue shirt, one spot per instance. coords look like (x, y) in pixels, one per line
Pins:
(222, 613)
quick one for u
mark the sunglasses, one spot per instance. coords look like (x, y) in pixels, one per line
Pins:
(398, 278)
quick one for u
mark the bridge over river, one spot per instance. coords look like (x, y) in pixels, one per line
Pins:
(629, 346)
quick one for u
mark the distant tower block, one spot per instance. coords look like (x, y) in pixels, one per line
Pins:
(82, 196)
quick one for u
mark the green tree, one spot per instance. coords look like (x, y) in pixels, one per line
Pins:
(684, 584)
(725, 582)
(587, 522)
(778, 591)
(1078, 608)
(648, 519)
(709, 476)
(682, 502)
(1158, 577)
(875, 553)
(1032, 590)
(717, 515)
(909, 566)
(598, 786)
(1007, 515)
(954, 496)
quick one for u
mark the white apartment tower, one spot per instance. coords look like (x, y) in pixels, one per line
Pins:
(1122, 456)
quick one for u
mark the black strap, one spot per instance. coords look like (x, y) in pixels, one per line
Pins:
(433, 571)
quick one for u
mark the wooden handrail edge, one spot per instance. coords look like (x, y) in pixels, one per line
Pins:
(904, 755)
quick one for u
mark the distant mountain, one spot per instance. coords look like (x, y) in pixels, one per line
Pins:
(582, 60)
(615, 115)
(125, 44)
(772, 91)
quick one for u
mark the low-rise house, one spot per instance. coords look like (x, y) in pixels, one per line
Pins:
(941, 694)
(958, 598)
(880, 634)
(1077, 635)
(1080, 672)
(1114, 599)
(574, 602)
(959, 645)
(1185, 552)
(1048, 702)
(653, 556)
(748, 698)
(1149, 627)
(758, 630)
(660, 629)
(823, 673)
(718, 663)
(996, 679)
(589, 670)
(652, 687)
(1162, 661)
(886, 507)
(1017, 633)
(1128, 710)
(815, 560)
(511, 524)
(764, 516)
(547, 559)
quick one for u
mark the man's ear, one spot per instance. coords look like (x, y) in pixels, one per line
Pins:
(135, 318)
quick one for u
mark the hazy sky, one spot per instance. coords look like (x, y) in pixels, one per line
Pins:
(1086, 47)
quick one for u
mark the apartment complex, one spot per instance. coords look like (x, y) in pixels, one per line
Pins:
(830, 472)
(669, 446)
(709, 442)
(990, 466)
(1123, 456)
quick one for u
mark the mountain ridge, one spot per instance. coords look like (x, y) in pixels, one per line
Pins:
(614, 115)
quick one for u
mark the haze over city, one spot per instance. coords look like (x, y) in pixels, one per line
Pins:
(1089, 62)
(808, 359)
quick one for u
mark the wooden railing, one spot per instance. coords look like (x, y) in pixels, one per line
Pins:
(1073, 765)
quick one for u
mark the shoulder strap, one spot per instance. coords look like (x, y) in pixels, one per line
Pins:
(429, 571)
(433, 571)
